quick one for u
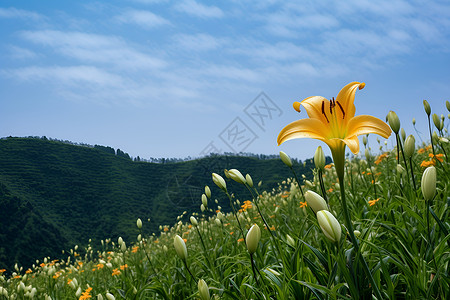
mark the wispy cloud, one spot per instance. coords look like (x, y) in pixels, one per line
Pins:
(198, 42)
(20, 13)
(21, 53)
(94, 48)
(143, 18)
(196, 9)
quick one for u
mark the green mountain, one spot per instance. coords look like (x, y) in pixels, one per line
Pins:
(54, 195)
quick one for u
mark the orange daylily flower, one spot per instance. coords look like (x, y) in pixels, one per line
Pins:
(372, 202)
(334, 123)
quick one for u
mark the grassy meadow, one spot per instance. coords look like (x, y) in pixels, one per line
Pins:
(291, 242)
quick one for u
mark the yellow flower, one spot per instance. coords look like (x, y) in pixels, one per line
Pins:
(334, 122)
(115, 272)
(372, 202)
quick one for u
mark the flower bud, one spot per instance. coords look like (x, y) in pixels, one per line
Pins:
(194, 221)
(427, 107)
(356, 233)
(204, 200)
(252, 238)
(435, 137)
(400, 169)
(123, 246)
(286, 159)
(78, 292)
(139, 223)
(329, 225)
(315, 201)
(218, 222)
(367, 154)
(429, 183)
(403, 134)
(437, 122)
(394, 121)
(110, 296)
(319, 158)
(290, 240)
(309, 184)
(236, 176)
(364, 140)
(220, 215)
(99, 297)
(120, 240)
(203, 290)
(202, 208)
(180, 247)
(208, 192)
(249, 180)
(409, 146)
(414, 121)
(219, 181)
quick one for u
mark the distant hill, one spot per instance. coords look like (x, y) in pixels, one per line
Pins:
(54, 195)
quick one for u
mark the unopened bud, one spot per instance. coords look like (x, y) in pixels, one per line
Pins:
(400, 169)
(367, 154)
(252, 238)
(208, 192)
(403, 134)
(437, 122)
(427, 107)
(110, 296)
(429, 183)
(409, 146)
(329, 225)
(219, 181)
(180, 247)
(194, 221)
(204, 200)
(203, 290)
(394, 121)
(290, 240)
(364, 140)
(202, 208)
(319, 158)
(414, 121)
(249, 180)
(139, 223)
(236, 176)
(286, 159)
(315, 201)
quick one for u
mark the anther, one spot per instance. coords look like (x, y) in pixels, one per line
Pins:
(323, 111)
(342, 109)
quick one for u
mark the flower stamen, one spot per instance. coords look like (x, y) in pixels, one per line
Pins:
(342, 109)
(323, 111)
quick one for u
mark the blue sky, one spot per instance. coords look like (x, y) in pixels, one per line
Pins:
(180, 78)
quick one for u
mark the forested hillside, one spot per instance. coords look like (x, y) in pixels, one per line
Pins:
(54, 195)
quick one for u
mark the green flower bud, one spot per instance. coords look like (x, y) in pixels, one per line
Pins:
(252, 238)
(139, 223)
(329, 225)
(367, 154)
(356, 233)
(286, 159)
(403, 134)
(202, 208)
(414, 121)
(204, 200)
(319, 158)
(219, 181)
(400, 169)
(437, 122)
(427, 107)
(409, 147)
(447, 103)
(429, 183)
(394, 121)
(435, 137)
(193, 221)
(236, 176)
(290, 240)
(249, 180)
(207, 192)
(203, 290)
(315, 201)
(180, 247)
(364, 140)
(110, 296)
(218, 222)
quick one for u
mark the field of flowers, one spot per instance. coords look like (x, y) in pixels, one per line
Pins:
(371, 226)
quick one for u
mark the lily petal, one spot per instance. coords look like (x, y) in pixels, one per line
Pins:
(346, 97)
(313, 107)
(310, 128)
(365, 124)
(353, 143)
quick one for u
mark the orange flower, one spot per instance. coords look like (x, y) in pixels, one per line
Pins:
(303, 204)
(231, 233)
(166, 229)
(437, 156)
(86, 294)
(427, 163)
(28, 271)
(240, 240)
(2, 271)
(115, 272)
(421, 151)
(329, 166)
(100, 266)
(42, 265)
(135, 249)
(124, 267)
(372, 202)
